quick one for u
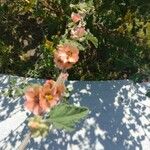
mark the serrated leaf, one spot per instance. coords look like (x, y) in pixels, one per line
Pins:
(92, 39)
(65, 116)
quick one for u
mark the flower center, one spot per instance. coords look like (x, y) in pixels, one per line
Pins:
(69, 54)
(36, 99)
(49, 97)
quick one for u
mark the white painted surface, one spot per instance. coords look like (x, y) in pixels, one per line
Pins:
(119, 119)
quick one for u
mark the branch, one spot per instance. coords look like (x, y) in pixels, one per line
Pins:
(25, 142)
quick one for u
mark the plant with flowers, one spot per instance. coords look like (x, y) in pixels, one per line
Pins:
(46, 101)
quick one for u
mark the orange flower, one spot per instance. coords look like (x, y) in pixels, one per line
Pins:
(51, 93)
(40, 99)
(78, 32)
(47, 97)
(65, 56)
(75, 17)
(32, 100)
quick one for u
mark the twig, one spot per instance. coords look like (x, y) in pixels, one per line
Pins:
(25, 141)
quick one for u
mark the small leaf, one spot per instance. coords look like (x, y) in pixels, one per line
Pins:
(92, 39)
(65, 116)
(148, 93)
(137, 78)
(75, 43)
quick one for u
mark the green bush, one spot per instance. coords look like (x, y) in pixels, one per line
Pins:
(30, 29)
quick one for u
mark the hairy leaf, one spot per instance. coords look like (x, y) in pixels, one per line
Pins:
(65, 116)
(92, 39)
(76, 44)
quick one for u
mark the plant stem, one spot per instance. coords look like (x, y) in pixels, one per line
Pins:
(25, 141)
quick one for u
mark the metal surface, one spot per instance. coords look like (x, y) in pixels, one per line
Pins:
(119, 118)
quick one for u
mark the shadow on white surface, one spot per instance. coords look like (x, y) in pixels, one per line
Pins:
(119, 118)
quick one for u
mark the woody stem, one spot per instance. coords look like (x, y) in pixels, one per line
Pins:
(25, 141)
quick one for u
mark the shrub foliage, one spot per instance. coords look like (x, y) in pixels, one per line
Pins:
(30, 30)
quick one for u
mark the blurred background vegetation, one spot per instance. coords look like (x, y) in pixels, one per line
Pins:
(122, 27)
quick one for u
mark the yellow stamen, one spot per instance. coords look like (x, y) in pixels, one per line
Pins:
(49, 97)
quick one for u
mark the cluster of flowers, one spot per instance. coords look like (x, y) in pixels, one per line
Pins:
(79, 30)
(66, 54)
(40, 99)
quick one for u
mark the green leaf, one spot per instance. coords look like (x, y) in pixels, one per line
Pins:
(75, 43)
(137, 78)
(92, 39)
(148, 93)
(65, 116)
